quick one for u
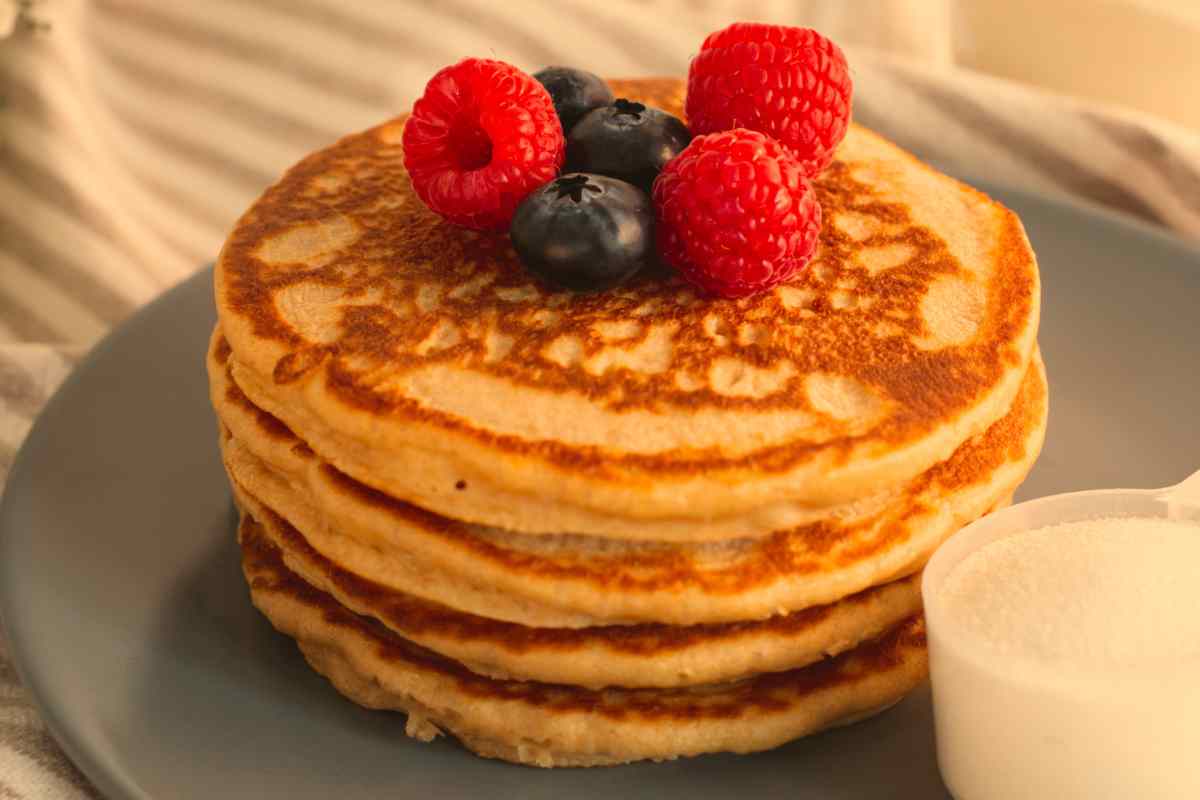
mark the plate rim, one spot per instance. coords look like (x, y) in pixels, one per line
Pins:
(112, 781)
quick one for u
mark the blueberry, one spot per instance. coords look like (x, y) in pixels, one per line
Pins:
(584, 232)
(626, 140)
(575, 92)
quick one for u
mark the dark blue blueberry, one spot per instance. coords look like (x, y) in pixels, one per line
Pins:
(626, 140)
(575, 92)
(584, 232)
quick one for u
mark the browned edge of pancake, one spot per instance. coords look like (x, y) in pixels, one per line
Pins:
(764, 694)
(436, 626)
(775, 556)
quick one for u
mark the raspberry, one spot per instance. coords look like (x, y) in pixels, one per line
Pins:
(735, 213)
(790, 83)
(482, 137)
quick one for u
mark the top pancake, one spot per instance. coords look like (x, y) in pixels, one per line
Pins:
(423, 360)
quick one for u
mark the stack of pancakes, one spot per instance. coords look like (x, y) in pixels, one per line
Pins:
(591, 529)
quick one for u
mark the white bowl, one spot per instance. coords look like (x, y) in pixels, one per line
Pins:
(1011, 728)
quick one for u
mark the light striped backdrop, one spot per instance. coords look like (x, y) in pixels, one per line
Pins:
(133, 133)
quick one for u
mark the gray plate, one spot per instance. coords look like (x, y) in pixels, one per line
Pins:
(120, 587)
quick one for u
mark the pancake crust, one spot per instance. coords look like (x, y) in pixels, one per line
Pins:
(421, 359)
(558, 725)
(647, 655)
(576, 581)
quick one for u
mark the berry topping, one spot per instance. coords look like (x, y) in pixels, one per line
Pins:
(575, 92)
(626, 140)
(790, 83)
(584, 232)
(736, 215)
(481, 138)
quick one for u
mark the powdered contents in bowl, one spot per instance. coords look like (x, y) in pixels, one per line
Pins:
(1114, 592)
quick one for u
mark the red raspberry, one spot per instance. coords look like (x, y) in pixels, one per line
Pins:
(791, 83)
(735, 213)
(482, 137)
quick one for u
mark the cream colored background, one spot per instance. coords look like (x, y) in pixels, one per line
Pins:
(1143, 54)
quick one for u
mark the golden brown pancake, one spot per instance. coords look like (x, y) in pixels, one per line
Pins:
(559, 725)
(638, 524)
(647, 655)
(425, 362)
(577, 581)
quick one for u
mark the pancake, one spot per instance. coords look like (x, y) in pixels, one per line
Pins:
(422, 360)
(648, 655)
(579, 581)
(559, 725)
